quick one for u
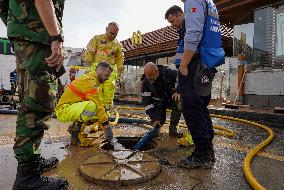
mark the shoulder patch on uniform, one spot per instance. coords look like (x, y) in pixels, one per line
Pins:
(193, 10)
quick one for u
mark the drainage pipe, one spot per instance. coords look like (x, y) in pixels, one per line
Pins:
(13, 112)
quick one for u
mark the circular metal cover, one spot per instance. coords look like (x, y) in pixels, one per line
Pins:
(123, 167)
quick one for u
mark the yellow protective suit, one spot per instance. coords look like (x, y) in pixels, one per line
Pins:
(81, 101)
(101, 49)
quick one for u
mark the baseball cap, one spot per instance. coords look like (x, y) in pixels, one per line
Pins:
(203, 80)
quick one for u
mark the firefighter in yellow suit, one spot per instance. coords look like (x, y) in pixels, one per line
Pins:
(106, 48)
(80, 103)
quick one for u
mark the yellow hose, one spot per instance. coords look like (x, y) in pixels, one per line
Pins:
(129, 108)
(79, 67)
(246, 167)
(224, 131)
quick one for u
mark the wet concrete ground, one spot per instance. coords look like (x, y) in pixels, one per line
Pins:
(268, 167)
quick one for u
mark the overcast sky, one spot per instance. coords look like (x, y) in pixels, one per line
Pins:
(84, 18)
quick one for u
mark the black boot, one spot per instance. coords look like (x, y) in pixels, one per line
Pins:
(48, 164)
(212, 154)
(74, 130)
(199, 159)
(174, 133)
(28, 178)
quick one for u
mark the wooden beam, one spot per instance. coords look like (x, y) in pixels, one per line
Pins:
(234, 6)
(222, 2)
(240, 18)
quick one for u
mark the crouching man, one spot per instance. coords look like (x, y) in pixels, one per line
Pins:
(80, 104)
(158, 94)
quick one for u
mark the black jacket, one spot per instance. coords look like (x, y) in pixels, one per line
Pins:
(157, 97)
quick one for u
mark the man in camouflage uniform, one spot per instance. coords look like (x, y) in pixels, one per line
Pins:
(35, 28)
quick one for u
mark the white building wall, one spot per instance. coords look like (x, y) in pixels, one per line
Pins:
(7, 65)
(269, 82)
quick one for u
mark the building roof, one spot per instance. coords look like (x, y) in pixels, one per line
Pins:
(231, 12)
(234, 12)
(164, 40)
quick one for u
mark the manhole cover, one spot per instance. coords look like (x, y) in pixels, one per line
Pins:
(117, 168)
(129, 143)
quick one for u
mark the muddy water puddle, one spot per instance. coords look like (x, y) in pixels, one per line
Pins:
(226, 174)
(119, 166)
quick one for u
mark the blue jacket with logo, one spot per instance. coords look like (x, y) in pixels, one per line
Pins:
(203, 31)
(180, 48)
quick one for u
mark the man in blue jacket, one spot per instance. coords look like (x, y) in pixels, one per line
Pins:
(195, 79)
(14, 80)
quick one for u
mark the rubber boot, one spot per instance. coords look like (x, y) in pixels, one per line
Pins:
(29, 178)
(74, 130)
(173, 132)
(200, 158)
(48, 164)
(212, 154)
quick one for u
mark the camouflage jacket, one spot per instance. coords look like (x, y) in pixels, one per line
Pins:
(23, 20)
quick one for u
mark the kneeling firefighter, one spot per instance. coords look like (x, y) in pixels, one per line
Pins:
(81, 104)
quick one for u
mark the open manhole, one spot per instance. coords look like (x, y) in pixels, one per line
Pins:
(122, 167)
(129, 143)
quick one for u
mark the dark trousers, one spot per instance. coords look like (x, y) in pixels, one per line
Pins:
(175, 114)
(195, 110)
(197, 118)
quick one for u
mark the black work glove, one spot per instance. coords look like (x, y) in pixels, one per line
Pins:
(60, 72)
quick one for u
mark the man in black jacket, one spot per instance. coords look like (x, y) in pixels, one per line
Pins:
(158, 94)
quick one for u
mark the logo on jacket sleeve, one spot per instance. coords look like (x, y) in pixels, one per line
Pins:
(192, 10)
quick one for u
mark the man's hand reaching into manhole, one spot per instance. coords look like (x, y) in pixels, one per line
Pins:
(113, 141)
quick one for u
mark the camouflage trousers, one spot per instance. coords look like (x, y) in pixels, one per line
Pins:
(37, 95)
